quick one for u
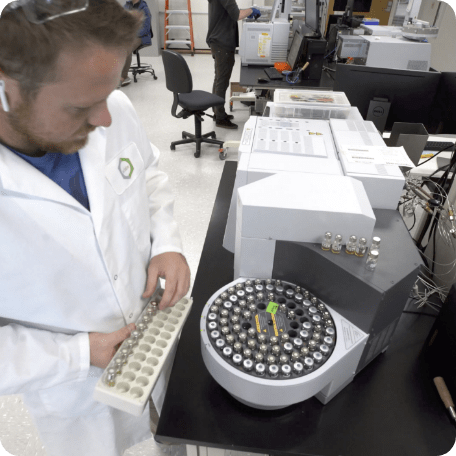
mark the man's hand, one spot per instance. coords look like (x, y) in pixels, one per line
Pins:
(172, 267)
(103, 346)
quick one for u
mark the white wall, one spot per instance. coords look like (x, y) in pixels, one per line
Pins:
(444, 47)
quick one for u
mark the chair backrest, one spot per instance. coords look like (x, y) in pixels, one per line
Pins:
(177, 73)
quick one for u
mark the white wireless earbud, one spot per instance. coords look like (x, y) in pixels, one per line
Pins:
(3, 96)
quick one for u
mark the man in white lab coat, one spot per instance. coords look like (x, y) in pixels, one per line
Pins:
(86, 220)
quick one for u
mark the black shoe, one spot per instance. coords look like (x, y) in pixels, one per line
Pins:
(228, 116)
(226, 123)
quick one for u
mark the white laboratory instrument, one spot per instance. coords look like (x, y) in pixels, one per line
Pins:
(274, 145)
(264, 43)
(295, 207)
(354, 140)
(399, 53)
(271, 344)
(383, 51)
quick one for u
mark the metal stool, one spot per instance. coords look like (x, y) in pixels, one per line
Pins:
(141, 68)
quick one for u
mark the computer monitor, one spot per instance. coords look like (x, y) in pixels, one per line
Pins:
(313, 15)
(411, 93)
(295, 52)
(443, 114)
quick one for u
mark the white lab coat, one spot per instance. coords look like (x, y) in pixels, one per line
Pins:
(65, 272)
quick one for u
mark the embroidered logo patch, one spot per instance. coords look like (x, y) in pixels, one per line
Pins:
(126, 168)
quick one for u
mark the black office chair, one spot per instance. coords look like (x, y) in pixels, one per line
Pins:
(141, 68)
(192, 102)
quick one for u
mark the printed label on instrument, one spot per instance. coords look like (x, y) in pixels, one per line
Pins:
(352, 335)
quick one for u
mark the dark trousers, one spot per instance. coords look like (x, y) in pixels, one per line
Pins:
(224, 63)
(127, 65)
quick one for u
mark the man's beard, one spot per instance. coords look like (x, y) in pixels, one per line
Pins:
(20, 119)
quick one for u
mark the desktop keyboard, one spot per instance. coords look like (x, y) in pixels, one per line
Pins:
(436, 146)
(273, 73)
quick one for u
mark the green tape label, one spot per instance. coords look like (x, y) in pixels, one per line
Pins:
(272, 307)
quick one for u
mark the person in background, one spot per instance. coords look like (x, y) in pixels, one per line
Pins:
(86, 219)
(223, 39)
(144, 37)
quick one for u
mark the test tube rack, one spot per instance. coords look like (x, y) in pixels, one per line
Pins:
(133, 383)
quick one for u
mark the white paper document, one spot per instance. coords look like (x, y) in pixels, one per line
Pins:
(372, 155)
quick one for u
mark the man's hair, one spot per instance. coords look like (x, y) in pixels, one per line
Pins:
(29, 52)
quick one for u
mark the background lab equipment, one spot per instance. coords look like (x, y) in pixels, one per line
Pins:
(364, 307)
(277, 137)
(264, 43)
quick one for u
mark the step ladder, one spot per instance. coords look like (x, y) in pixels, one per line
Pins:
(189, 42)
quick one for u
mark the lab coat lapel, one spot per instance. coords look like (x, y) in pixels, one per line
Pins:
(20, 177)
(93, 158)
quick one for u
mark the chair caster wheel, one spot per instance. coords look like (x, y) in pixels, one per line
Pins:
(197, 154)
(155, 77)
(222, 155)
(173, 147)
(184, 136)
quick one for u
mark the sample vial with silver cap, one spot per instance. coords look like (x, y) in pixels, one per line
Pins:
(242, 337)
(220, 343)
(298, 368)
(285, 370)
(372, 259)
(318, 357)
(326, 243)
(247, 365)
(308, 363)
(283, 359)
(271, 359)
(351, 245)
(111, 377)
(297, 343)
(237, 359)
(375, 244)
(259, 358)
(336, 246)
(361, 248)
(247, 353)
(118, 363)
(230, 339)
(295, 356)
(260, 369)
(237, 328)
(275, 350)
(273, 370)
